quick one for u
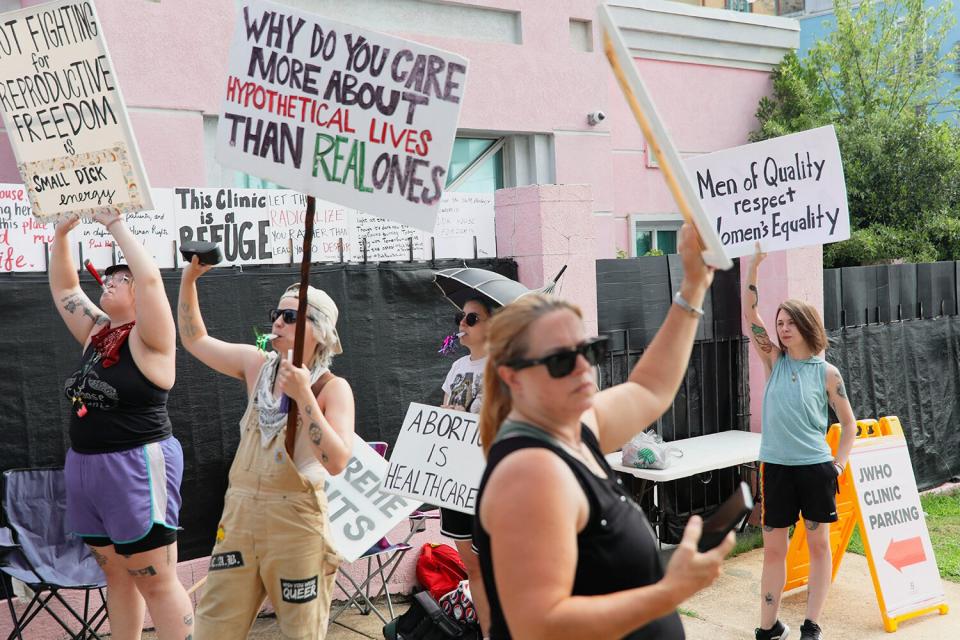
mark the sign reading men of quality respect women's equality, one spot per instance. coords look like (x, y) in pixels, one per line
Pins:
(351, 116)
(64, 114)
(784, 193)
(437, 458)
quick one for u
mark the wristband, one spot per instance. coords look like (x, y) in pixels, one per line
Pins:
(686, 306)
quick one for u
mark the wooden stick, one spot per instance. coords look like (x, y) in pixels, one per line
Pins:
(301, 317)
(202, 581)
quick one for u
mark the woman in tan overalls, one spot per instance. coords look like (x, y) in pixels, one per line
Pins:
(273, 539)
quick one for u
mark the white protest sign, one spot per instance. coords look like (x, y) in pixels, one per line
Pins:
(785, 193)
(22, 236)
(462, 218)
(437, 458)
(331, 226)
(351, 116)
(384, 240)
(64, 114)
(154, 229)
(895, 528)
(233, 218)
(360, 511)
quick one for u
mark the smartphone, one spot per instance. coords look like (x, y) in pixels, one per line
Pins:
(208, 252)
(731, 512)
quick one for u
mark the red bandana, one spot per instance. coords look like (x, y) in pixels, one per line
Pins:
(108, 342)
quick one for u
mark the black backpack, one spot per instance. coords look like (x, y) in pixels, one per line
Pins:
(425, 620)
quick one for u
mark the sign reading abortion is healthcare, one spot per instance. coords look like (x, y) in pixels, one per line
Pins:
(64, 114)
(784, 193)
(350, 116)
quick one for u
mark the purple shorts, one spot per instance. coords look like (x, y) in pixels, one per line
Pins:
(122, 495)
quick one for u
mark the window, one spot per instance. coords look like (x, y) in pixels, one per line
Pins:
(485, 169)
(654, 233)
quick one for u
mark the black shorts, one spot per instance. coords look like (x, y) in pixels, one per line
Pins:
(158, 536)
(456, 524)
(786, 491)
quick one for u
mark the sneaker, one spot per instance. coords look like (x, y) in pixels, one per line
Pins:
(778, 631)
(810, 630)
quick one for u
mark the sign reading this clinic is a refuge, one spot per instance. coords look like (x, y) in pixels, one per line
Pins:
(784, 193)
(361, 512)
(437, 458)
(64, 114)
(894, 525)
(351, 116)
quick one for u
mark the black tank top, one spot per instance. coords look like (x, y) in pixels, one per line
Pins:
(615, 551)
(124, 409)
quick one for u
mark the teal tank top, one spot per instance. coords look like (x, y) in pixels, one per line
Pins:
(794, 418)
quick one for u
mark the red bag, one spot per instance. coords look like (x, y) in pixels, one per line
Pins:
(440, 569)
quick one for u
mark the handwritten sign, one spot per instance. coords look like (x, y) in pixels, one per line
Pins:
(784, 193)
(385, 240)
(463, 218)
(351, 116)
(64, 114)
(233, 218)
(437, 458)
(360, 511)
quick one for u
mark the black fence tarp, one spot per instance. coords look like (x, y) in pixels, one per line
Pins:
(911, 370)
(392, 321)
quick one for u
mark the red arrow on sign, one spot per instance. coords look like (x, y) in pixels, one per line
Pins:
(903, 553)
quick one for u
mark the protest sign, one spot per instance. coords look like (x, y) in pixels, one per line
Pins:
(784, 193)
(437, 458)
(152, 227)
(64, 113)
(351, 116)
(462, 218)
(331, 227)
(360, 511)
(233, 218)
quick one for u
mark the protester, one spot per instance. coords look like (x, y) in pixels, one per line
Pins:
(124, 467)
(274, 535)
(564, 552)
(799, 474)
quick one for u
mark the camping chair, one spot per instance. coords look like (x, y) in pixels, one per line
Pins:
(36, 549)
(387, 557)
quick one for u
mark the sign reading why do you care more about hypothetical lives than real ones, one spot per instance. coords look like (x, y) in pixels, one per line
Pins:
(784, 193)
(351, 116)
(437, 458)
(64, 114)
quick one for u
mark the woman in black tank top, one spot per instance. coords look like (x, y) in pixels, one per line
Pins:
(564, 552)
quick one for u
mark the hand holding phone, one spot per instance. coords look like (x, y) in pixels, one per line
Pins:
(729, 515)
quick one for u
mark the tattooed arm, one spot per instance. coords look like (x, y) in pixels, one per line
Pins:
(81, 316)
(766, 349)
(837, 396)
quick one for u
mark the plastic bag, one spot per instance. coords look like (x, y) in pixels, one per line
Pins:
(647, 450)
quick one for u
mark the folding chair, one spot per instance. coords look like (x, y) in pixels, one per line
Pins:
(37, 549)
(387, 556)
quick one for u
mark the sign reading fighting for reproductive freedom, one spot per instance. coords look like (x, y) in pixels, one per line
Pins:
(64, 114)
(360, 511)
(437, 458)
(355, 117)
(784, 193)
(894, 525)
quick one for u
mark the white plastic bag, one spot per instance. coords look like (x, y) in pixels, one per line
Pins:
(647, 450)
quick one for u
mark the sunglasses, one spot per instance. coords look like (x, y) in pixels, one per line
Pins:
(562, 363)
(289, 315)
(471, 318)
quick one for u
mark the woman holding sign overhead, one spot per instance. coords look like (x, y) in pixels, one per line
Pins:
(124, 466)
(274, 535)
(565, 553)
(799, 474)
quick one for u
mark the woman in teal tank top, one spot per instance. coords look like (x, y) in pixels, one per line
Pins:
(798, 471)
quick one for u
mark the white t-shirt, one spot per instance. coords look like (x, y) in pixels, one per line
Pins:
(464, 383)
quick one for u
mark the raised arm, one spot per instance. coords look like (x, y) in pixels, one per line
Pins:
(234, 360)
(622, 411)
(837, 396)
(78, 312)
(750, 300)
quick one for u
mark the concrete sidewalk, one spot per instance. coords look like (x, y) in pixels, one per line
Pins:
(729, 609)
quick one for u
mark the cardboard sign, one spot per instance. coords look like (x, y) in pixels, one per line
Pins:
(784, 193)
(360, 511)
(350, 116)
(64, 114)
(894, 525)
(437, 458)
(233, 218)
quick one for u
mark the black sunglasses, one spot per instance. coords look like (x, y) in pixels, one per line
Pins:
(471, 318)
(562, 363)
(289, 315)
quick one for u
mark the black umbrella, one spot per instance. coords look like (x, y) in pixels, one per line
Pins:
(461, 284)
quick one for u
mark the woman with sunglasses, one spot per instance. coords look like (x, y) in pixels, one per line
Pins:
(124, 466)
(274, 534)
(564, 552)
(463, 391)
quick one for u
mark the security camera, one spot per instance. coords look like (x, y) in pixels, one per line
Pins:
(596, 117)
